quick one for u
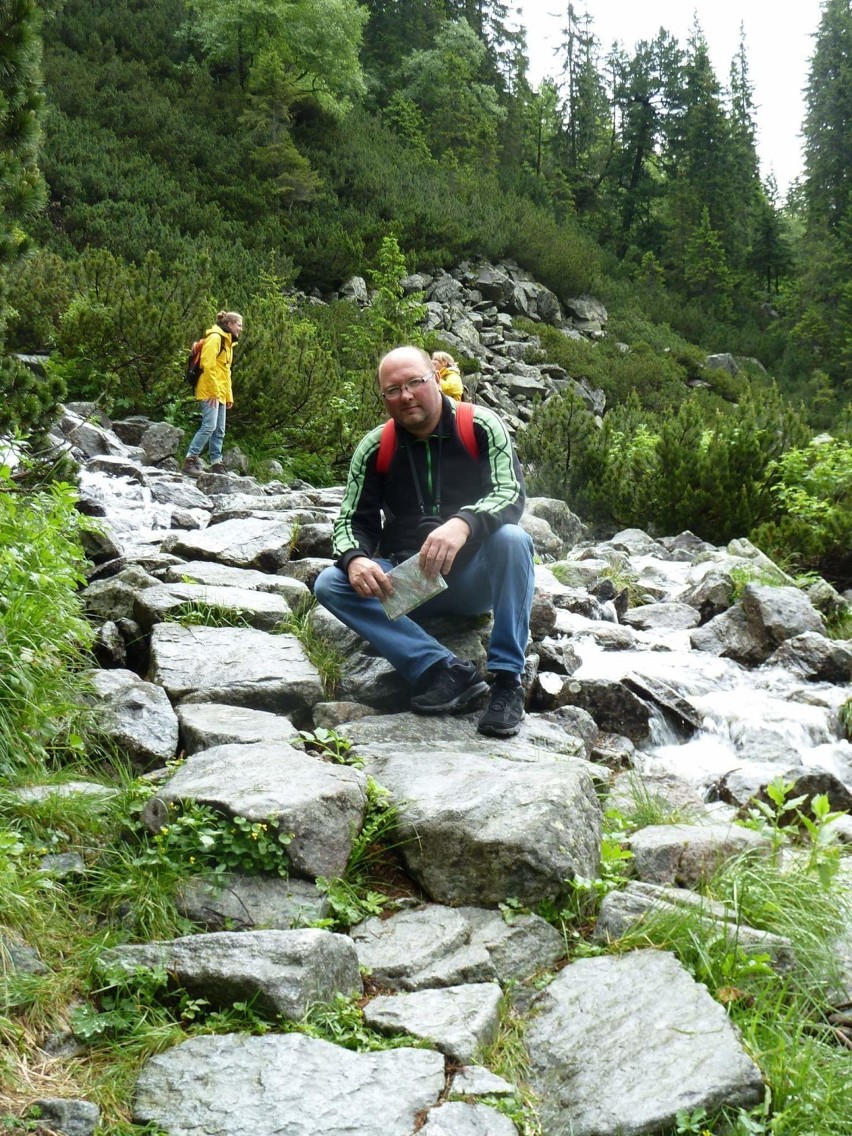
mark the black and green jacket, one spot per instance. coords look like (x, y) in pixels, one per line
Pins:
(433, 476)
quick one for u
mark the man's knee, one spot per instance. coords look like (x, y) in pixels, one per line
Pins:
(512, 541)
(327, 584)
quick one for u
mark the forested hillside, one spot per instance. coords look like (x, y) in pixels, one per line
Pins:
(174, 157)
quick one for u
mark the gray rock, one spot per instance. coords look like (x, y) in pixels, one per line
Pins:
(208, 572)
(207, 724)
(662, 617)
(749, 555)
(731, 636)
(676, 708)
(779, 613)
(18, 957)
(613, 707)
(264, 610)
(235, 665)
(638, 903)
(812, 656)
(314, 540)
(437, 946)
(483, 829)
(252, 542)
(545, 541)
(463, 1119)
(458, 1020)
(64, 789)
(286, 971)
(669, 1046)
(239, 903)
(711, 595)
(109, 599)
(179, 492)
(137, 715)
(237, 1085)
(558, 656)
(685, 854)
(160, 441)
(355, 288)
(320, 804)
(724, 361)
(565, 524)
(331, 715)
(68, 1117)
(477, 1081)
(108, 646)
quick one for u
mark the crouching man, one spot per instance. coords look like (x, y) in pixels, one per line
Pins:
(449, 485)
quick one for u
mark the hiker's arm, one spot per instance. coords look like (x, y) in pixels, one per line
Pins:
(503, 498)
(359, 523)
(368, 578)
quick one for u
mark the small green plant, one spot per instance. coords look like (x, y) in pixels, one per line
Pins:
(342, 1023)
(507, 1056)
(197, 613)
(692, 1122)
(328, 744)
(324, 655)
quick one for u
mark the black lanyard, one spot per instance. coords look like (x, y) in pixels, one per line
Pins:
(436, 509)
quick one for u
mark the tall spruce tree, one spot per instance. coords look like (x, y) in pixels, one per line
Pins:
(26, 402)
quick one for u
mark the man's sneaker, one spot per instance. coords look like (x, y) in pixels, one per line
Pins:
(505, 711)
(454, 685)
(218, 467)
(191, 465)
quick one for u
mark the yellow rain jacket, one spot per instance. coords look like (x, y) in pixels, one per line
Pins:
(451, 383)
(216, 356)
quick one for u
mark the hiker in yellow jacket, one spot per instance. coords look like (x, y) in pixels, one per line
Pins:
(213, 391)
(449, 376)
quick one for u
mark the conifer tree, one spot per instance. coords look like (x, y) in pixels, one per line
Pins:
(25, 402)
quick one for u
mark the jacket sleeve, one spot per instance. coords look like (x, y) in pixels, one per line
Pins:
(503, 501)
(359, 523)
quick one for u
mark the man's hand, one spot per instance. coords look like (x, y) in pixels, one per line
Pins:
(441, 545)
(368, 579)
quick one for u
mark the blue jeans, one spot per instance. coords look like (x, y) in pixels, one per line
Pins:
(212, 430)
(499, 578)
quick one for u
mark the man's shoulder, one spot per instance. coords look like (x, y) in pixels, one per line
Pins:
(489, 419)
(369, 443)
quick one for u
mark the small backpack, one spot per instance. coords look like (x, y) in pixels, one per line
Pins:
(464, 425)
(193, 363)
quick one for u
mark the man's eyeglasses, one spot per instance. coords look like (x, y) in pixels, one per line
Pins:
(391, 394)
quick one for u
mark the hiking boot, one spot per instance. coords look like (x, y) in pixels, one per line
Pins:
(505, 711)
(218, 467)
(192, 466)
(454, 685)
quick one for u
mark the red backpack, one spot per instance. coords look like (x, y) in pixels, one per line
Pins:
(464, 425)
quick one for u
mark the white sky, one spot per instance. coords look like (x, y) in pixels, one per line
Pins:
(779, 44)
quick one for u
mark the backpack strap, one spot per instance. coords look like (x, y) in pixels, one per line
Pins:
(464, 426)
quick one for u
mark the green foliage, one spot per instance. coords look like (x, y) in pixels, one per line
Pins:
(198, 614)
(356, 895)
(41, 287)
(197, 839)
(342, 1023)
(322, 652)
(329, 745)
(123, 337)
(43, 636)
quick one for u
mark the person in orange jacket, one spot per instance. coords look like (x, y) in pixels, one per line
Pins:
(449, 376)
(213, 391)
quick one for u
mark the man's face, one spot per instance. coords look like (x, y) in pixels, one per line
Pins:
(419, 409)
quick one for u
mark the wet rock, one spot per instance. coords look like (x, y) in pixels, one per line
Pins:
(235, 665)
(711, 595)
(264, 610)
(458, 1020)
(614, 751)
(252, 542)
(320, 804)
(685, 854)
(779, 613)
(237, 1085)
(731, 636)
(625, 911)
(558, 656)
(240, 903)
(137, 715)
(286, 971)
(814, 657)
(485, 829)
(108, 646)
(208, 572)
(677, 708)
(207, 724)
(179, 492)
(68, 1117)
(662, 617)
(669, 1046)
(434, 946)
(614, 708)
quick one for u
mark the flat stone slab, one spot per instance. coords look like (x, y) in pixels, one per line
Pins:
(237, 1085)
(209, 572)
(480, 830)
(445, 946)
(624, 911)
(620, 1043)
(477, 1081)
(662, 617)
(458, 1020)
(685, 854)
(286, 971)
(320, 804)
(207, 724)
(235, 665)
(457, 1119)
(240, 903)
(249, 542)
(264, 610)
